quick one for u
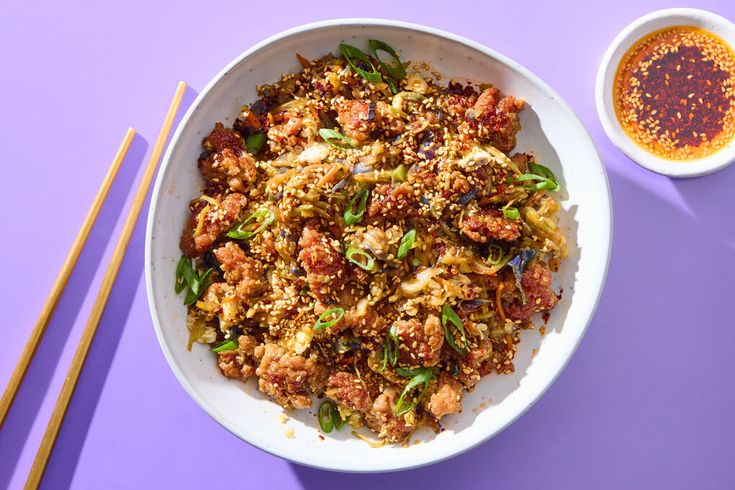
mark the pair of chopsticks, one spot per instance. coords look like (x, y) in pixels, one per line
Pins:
(72, 376)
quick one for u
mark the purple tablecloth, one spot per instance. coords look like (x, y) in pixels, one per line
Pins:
(647, 401)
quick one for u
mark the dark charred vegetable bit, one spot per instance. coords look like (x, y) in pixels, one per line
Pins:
(396, 71)
(420, 378)
(406, 243)
(450, 316)
(329, 417)
(346, 344)
(511, 213)
(544, 178)
(427, 147)
(353, 56)
(262, 216)
(336, 139)
(254, 143)
(225, 346)
(263, 105)
(322, 322)
(188, 279)
(355, 255)
(519, 264)
(390, 349)
(467, 197)
(372, 106)
(352, 215)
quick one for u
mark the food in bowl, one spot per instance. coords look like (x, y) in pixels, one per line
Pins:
(674, 93)
(365, 235)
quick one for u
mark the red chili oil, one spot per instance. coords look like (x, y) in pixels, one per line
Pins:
(674, 93)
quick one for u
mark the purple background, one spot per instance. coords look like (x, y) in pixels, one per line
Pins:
(647, 401)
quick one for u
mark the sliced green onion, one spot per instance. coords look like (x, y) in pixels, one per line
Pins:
(263, 216)
(187, 279)
(419, 377)
(336, 139)
(399, 173)
(450, 316)
(406, 243)
(322, 322)
(396, 71)
(329, 417)
(390, 349)
(369, 263)
(543, 176)
(511, 213)
(352, 215)
(326, 421)
(352, 54)
(255, 142)
(496, 255)
(225, 346)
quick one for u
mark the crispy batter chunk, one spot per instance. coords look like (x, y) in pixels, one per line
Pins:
(207, 222)
(325, 267)
(243, 272)
(234, 168)
(358, 118)
(498, 118)
(419, 345)
(382, 417)
(490, 224)
(284, 376)
(347, 389)
(222, 138)
(536, 282)
(447, 397)
(390, 201)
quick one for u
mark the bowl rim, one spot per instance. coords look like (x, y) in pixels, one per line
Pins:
(378, 465)
(640, 27)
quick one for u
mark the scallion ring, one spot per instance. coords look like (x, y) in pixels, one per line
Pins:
(352, 215)
(353, 253)
(543, 176)
(353, 55)
(406, 243)
(336, 139)
(390, 349)
(263, 216)
(396, 71)
(450, 316)
(189, 280)
(322, 322)
(496, 255)
(511, 213)
(329, 417)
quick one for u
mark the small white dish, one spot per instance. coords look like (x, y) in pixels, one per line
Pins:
(550, 130)
(660, 19)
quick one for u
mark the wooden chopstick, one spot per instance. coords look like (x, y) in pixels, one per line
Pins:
(53, 298)
(62, 403)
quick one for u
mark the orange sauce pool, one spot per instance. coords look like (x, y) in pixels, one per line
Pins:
(674, 93)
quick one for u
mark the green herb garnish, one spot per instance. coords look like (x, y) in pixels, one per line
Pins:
(544, 178)
(262, 216)
(450, 316)
(511, 213)
(190, 280)
(406, 243)
(390, 349)
(420, 377)
(353, 56)
(352, 215)
(329, 417)
(322, 322)
(225, 346)
(397, 71)
(255, 142)
(353, 253)
(336, 139)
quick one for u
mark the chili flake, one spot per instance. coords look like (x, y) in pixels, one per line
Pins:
(674, 93)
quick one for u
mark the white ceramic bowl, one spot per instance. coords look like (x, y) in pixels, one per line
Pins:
(641, 27)
(550, 130)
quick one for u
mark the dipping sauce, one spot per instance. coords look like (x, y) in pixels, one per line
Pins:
(674, 93)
